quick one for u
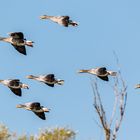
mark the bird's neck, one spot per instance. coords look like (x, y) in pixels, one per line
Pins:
(55, 18)
(5, 39)
(33, 77)
(1, 81)
(21, 106)
(49, 17)
(83, 71)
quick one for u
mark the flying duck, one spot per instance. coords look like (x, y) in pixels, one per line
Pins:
(100, 72)
(62, 20)
(18, 41)
(49, 79)
(15, 85)
(36, 108)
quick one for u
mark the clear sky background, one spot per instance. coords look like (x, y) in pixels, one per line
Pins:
(104, 26)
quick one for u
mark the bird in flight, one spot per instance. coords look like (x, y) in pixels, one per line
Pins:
(49, 79)
(15, 85)
(100, 72)
(18, 41)
(62, 20)
(36, 108)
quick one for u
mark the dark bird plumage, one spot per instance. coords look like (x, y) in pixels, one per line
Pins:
(49, 79)
(14, 85)
(100, 72)
(18, 41)
(61, 20)
(36, 108)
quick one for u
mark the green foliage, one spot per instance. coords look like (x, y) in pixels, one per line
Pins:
(57, 134)
(4, 133)
(24, 137)
(53, 134)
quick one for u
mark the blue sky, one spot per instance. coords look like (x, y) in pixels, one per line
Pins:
(104, 27)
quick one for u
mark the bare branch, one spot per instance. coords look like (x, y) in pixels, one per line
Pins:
(122, 106)
(100, 109)
(115, 102)
(120, 100)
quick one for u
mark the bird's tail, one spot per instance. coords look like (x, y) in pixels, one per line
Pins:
(112, 73)
(60, 82)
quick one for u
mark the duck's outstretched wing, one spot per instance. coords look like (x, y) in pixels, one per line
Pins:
(35, 105)
(16, 91)
(14, 82)
(65, 21)
(101, 71)
(51, 85)
(50, 78)
(41, 115)
(20, 49)
(105, 78)
(17, 35)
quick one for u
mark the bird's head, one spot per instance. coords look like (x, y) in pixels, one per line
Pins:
(112, 73)
(29, 43)
(25, 86)
(73, 23)
(46, 109)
